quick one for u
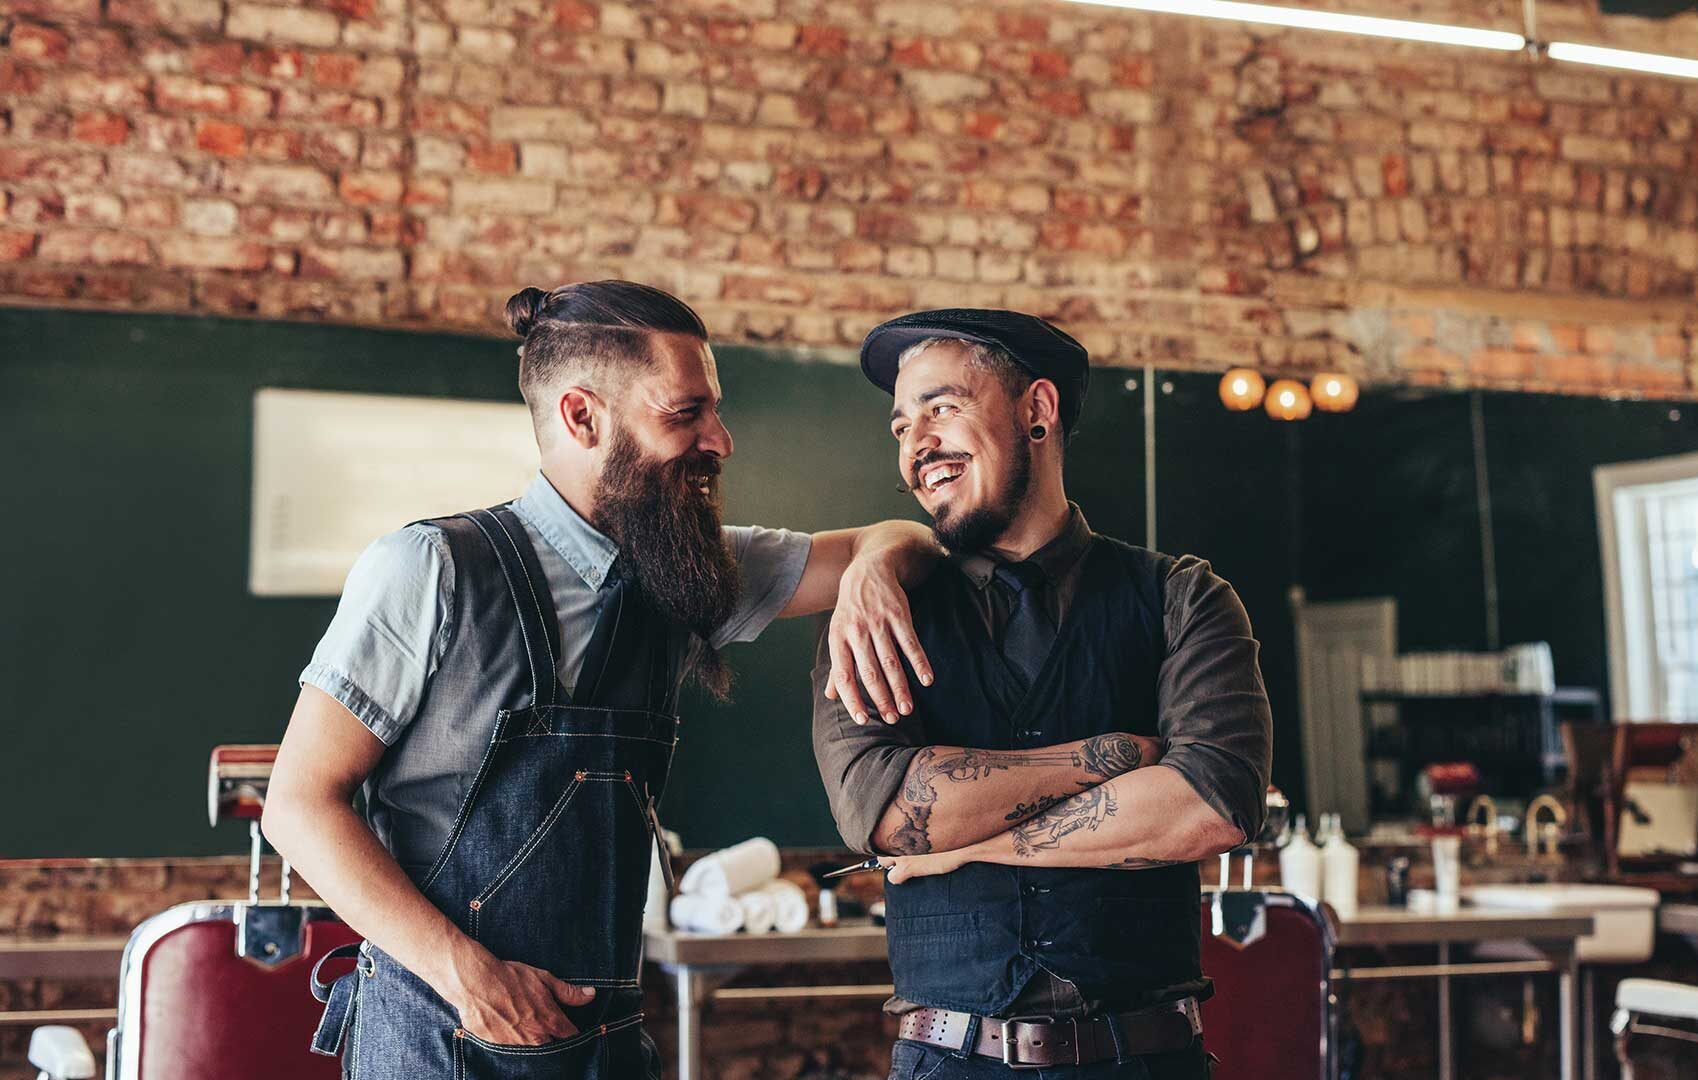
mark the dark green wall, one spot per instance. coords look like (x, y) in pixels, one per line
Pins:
(131, 645)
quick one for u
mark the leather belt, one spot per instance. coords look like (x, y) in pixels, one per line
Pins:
(1033, 1042)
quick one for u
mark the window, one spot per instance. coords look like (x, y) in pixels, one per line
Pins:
(1648, 531)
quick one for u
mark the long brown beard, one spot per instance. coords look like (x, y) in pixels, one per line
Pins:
(669, 535)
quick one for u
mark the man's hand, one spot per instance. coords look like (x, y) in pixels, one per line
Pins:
(872, 630)
(514, 1004)
(900, 868)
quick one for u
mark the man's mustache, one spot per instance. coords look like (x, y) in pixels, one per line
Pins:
(932, 458)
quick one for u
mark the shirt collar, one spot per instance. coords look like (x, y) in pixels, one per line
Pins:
(1054, 558)
(585, 550)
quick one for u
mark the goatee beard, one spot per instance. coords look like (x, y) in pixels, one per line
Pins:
(669, 536)
(982, 526)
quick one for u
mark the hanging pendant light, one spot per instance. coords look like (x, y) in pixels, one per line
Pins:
(1333, 392)
(1288, 399)
(1241, 389)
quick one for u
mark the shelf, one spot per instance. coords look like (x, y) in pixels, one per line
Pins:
(1574, 696)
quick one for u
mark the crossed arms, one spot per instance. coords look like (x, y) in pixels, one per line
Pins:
(1115, 800)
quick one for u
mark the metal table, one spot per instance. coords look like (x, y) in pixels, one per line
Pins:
(1553, 936)
(699, 965)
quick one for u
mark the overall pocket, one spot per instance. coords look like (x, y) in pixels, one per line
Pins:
(582, 1055)
(570, 899)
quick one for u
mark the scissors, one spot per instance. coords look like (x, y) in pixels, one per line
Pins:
(863, 867)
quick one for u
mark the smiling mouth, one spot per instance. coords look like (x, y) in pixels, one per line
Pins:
(939, 475)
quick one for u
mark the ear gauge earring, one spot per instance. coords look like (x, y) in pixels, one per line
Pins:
(1038, 433)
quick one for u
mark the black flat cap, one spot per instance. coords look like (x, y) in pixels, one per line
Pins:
(1037, 346)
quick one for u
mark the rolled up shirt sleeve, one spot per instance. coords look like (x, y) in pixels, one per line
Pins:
(862, 766)
(389, 632)
(1215, 718)
(771, 562)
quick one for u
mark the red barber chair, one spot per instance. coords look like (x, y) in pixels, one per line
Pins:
(1269, 953)
(216, 989)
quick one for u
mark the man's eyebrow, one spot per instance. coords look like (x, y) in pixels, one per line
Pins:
(690, 402)
(946, 390)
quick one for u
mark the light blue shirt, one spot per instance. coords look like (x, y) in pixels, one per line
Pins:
(395, 621)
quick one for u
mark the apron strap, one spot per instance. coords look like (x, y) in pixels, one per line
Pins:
(531, 598)
(339, 1002)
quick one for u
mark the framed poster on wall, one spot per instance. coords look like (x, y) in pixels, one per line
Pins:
(334, 471)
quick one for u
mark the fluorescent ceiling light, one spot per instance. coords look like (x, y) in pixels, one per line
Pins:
(1326, 20)
(1623, 58)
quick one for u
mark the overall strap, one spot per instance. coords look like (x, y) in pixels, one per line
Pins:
(627, 649)
(534, 605)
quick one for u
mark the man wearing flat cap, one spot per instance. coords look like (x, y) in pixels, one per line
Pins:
(1097, 725)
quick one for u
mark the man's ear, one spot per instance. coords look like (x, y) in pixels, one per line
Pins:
(1043, 406)
(583, 416)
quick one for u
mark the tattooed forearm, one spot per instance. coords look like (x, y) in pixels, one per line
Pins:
(1110, 755)
(951, 796)
(1086, 811)
(910, 837)
(1023, 810)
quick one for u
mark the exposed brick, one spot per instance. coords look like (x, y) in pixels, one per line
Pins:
(16, 245)
(177, 16)
(31, 41)
(209, 217)
(221, 137)
(212, 253)
(289, 184)
(291, 25)
(371, 188)
(95, 247)
(103, 128)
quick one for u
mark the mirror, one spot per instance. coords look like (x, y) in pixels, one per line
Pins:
(1440, 524)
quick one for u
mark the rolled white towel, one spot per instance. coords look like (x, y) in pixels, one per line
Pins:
(759, 911)
(734, 870)
(707, 914)
(789, 905)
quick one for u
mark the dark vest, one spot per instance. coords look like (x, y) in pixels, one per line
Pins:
(970, 940)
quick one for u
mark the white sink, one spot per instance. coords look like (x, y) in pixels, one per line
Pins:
(1624, 918)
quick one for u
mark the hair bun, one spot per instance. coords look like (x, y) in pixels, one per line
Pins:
(524, 308)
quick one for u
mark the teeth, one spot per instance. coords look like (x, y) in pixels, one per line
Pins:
(936, 476)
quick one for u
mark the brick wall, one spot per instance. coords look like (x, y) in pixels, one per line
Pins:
(1175, 191)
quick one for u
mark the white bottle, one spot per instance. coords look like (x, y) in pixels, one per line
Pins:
(1338, 871)
(1300, 863)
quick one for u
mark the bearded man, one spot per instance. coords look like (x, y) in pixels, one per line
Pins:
(1098, 726)
(504, 683)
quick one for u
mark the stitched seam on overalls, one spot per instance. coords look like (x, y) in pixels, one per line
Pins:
(642, 807)
(495, 739)
(465, 814)
(532, 844)
(546, 1049)
(354, 1065)
(589, 735)
(536, 605)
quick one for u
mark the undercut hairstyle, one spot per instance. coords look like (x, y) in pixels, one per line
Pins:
(590, 334)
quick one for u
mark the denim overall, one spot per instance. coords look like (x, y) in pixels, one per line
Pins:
(548, 860)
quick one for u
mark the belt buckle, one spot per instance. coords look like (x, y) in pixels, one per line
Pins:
(1008, 1046)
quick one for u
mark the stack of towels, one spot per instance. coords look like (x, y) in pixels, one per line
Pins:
(739, 889)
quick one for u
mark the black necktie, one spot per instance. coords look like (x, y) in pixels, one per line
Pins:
(1029, 635)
